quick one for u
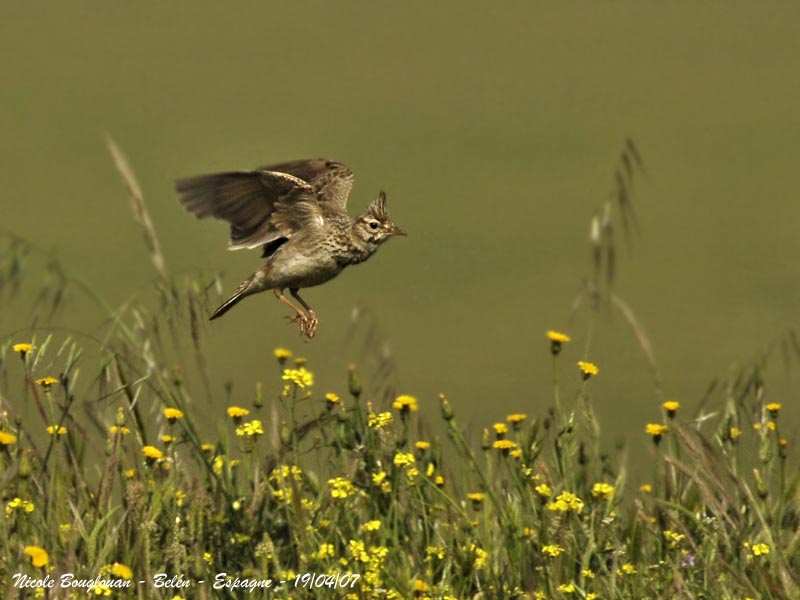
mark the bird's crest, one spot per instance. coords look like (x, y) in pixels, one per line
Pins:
(379, 208)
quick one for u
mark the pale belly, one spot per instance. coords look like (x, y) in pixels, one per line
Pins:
(294, 270)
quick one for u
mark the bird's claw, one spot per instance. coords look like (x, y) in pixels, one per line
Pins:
(308, 323)
(311, 325)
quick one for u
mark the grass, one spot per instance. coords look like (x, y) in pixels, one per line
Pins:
(343, 494)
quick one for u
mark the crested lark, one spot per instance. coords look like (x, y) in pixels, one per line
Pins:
(297, 212)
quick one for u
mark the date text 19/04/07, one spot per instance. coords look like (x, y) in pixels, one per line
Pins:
(303, 580)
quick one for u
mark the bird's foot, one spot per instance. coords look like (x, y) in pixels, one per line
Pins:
(308, 323)
(311, 324)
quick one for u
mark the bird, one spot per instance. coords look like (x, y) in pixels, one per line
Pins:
(296, 212)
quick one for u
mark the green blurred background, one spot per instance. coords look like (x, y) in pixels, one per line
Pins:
(495, 128)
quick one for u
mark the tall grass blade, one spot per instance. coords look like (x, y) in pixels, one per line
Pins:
(139, 210)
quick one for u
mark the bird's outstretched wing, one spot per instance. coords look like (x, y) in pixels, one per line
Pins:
(261, 206)
(330, 180)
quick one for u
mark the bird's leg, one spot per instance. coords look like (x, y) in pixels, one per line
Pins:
(313, 321)
(299, 316)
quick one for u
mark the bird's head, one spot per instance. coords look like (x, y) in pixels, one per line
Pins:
(375, 225)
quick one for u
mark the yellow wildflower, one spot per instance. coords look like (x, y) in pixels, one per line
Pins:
(404, 459)
(172, 414)
(435, 551)
(566, 501)
(628, 569)
(405, 403)
(671, 406)
(22, 349)
(325, 550)
(152, 453)
(251, 429)
(121, 571)
(556, 340)
(555, 336)
(422, 446)
(331, 400)
(567, 588)
(543, 490)
(357, 550)
(379, 421)
(774, 408)
(340, 488)
(99, 589)
(587, 369)
(505, 446)
(301, 377)
(603, 490)
(282, 354)
(46, 382)
(480, 556)
(552, 550)
(673, 539)
(734, 433)
(56, 430)
(373, 525)
(39, 556)
(477, 499)
(285, 472)
(16, 503)
(656, 430)
(237, 413)
(284, 496)
(760, 549)
(516, 420)
(6, 439)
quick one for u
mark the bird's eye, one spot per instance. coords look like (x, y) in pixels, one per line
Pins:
(373, 225)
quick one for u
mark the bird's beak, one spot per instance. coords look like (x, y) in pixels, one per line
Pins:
(395, 230)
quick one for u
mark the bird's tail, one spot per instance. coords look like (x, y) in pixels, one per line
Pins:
(238, 295)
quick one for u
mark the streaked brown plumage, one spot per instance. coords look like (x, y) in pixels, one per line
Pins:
(297, 212)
